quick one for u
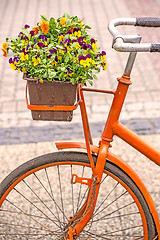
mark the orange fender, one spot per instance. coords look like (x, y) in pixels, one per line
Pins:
(126, 168)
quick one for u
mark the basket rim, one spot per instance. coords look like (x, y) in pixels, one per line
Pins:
(46, 81)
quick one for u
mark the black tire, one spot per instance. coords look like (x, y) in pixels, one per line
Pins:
(118, 214)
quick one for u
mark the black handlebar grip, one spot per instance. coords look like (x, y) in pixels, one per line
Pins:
(155, 47)
(148, 22)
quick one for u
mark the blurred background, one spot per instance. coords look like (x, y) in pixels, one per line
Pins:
(141, 110)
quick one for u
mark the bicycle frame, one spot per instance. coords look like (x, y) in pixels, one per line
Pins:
(112, 127)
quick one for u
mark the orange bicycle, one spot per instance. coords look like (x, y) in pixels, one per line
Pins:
(91, 194)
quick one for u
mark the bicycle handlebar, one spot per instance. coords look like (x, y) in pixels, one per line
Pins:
(129, 43)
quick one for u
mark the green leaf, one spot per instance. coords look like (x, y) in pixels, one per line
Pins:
(59, 46)
(67, 58)
(52, 23)
(95, 77)
(66, 15)
(63, 69)
(90, 82)
(51, 73)
(44, 18)
(87, 27)
(68, 22)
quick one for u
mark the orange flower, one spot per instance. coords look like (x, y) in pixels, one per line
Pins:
(44, 26)
(71, 29)
(63, 20)
(4, 52)
(4, 49)
(36, 30)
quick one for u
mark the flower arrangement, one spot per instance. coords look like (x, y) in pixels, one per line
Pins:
(58, 49)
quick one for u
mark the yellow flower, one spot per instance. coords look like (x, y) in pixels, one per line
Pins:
(54, 63)
(59, 57)
(61, 51)
(23, 70)
(23, 57)
(94, 46)
(24, 42)
(79, 34)
(44, 26)
(41, 80)
(81, 25)
(105, 65)
(36, 61)
(12, 65)
(77, 46)
(60, 38)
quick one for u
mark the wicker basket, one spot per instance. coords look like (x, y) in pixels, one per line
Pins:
(51, 101)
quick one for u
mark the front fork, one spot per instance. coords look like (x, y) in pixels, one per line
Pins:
(83, 216)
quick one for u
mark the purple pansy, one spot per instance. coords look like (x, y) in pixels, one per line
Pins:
(65, 49)
(20, 34)
(81, 58)
(67, 41)
(88, 56)
(11, 60)
(79, 39)
(32, 33)
(27, 47)
(89, 46)
(76, 30)
(74, 41)
(26, 26)
(44, 38)
(40, 44)
(16, 59)
(92, 40)
(52, 51)
(103, 53)
(69, 32)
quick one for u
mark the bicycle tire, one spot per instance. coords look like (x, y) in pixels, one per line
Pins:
(119, 215)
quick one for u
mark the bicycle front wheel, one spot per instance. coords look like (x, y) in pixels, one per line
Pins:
(37, 199)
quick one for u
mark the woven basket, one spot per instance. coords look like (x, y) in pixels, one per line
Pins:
(51, 101)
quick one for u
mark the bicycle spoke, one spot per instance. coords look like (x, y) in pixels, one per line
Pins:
(52, 195)
(32, 215)
(40, 199)
(96, 236)
(125, 229)
(28, 215)
(108, 214)
(23, 226)
(111, 203)
(60, 188)
(80, 189)
(105, 199)
(72, 193)
(36, 207)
